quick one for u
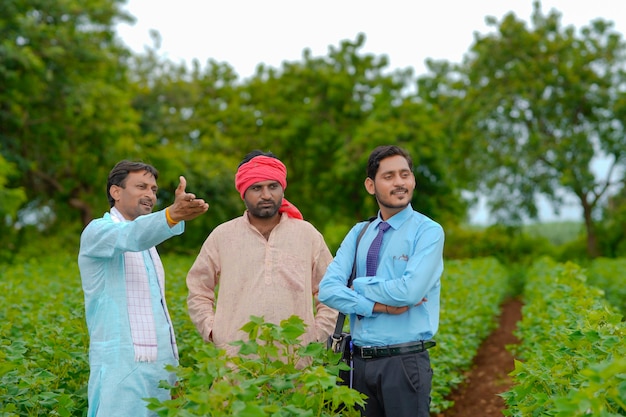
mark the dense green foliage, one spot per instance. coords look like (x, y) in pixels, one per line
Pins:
(74, 101)
(44, 344)
(538, 107)
(613, 228)
(557, 233)
(510, 245)
(526, 113)
(608, 275)
(267, 378)
(571, 356)
(569, 335)
(43, 339)
(64, 101)
(10, 200)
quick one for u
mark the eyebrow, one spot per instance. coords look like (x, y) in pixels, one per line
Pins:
(391, 171)
(147, 185)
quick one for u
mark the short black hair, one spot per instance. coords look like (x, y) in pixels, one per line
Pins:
(255, 153)
(382, 152)
(120, 172)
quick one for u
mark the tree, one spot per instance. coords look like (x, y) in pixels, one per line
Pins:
(612, 231)
(73, 102)
(321, 116)
(10, 198)
(64, 101)
(193, 124)
(324, 115)
(540, 106)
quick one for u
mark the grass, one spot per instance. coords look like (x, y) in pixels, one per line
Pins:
(557, 233)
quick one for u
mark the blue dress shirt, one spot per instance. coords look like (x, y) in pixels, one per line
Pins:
(409, 269)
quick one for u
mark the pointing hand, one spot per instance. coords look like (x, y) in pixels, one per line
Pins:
(186, 206)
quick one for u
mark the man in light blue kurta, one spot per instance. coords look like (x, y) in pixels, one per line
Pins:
(131, 335)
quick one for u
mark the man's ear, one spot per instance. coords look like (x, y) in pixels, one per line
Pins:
(369, 185)
(115, 192)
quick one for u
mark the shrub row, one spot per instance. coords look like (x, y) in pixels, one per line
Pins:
(609, 274)
(44, 341)
(472, 293)
(571, 356)
(43, 338)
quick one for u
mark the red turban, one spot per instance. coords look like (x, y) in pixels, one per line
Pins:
(264, 168)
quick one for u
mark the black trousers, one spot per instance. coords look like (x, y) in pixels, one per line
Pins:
(396, 386)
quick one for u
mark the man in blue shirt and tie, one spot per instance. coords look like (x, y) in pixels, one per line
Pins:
(394, 306)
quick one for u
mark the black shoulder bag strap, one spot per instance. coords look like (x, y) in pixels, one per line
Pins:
(341, 318)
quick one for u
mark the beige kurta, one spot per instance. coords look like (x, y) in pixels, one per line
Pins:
(273, 278)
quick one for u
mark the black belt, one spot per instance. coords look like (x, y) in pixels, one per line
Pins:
(369, 352)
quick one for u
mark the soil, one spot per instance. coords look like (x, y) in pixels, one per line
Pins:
(488, 377)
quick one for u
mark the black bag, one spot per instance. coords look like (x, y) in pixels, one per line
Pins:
(341, 341)
(343, 344)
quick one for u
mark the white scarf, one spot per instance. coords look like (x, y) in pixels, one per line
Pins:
(140, 314)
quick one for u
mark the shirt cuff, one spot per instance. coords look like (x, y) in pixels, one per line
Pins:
(179, 228)
(364, 307)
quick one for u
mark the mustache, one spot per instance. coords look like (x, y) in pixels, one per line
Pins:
(399, 189)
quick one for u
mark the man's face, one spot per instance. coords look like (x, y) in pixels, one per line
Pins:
(138, 196)
(263, 199)
(393, 186)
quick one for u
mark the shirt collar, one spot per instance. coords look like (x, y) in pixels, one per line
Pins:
(397, 219)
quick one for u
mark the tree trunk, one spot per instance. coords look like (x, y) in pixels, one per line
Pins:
(592, 240)
(86, 214)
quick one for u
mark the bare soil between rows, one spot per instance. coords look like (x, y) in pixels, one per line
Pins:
(488, 377)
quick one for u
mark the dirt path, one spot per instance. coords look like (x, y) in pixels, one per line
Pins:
(489, 375)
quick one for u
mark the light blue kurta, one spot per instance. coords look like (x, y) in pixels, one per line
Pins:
(117, 383)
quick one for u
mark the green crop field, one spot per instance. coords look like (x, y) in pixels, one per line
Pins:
(44, 356)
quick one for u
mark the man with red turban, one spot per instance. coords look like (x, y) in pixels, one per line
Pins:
(265, 168)
(268, 263)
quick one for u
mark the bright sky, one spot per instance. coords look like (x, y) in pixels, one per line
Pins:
(245, 33)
